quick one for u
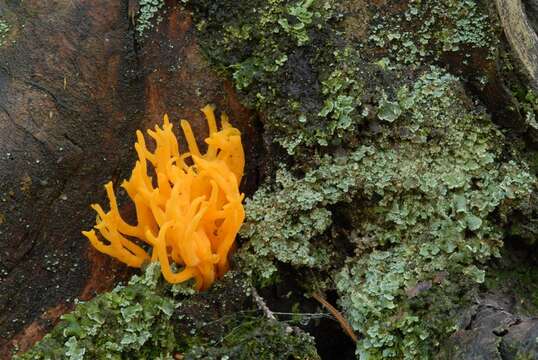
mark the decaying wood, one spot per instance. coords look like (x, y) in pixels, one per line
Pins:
(521, 35)
(75, 83)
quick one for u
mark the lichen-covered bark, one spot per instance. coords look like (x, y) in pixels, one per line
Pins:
(398, 158)
(393, 177)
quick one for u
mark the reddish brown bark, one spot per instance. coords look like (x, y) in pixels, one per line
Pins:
(75, 83)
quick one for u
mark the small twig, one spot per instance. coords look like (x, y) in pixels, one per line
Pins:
(341, 319)
(263, 307)
(306, 315)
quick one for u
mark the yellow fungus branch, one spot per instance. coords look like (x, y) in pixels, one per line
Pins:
(188, 213)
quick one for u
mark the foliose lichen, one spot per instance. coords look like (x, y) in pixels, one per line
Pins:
(293, 229)
(4, 30)
(431, 229)
(150, 319)
(428, 29)
(404, 164)
(130, 321)
(426, 196)
(148, 10)
(287, 63)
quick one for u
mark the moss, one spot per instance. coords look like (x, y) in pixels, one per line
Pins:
(149, 319)
(255, 338)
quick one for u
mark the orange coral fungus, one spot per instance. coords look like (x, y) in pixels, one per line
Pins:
(189, 212)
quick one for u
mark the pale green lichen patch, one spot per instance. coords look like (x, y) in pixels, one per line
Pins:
(427, 29)
(292, 230)
(404, 305)
(4, 31)
(431, 219)
(426, 194)
(147, 15)
(150, 319)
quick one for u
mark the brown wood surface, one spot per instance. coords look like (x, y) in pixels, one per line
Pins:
(75, 84)
(521, 35)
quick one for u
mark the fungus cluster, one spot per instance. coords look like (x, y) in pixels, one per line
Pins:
(189, 209)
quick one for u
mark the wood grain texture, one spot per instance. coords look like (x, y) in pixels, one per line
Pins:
(521, 36)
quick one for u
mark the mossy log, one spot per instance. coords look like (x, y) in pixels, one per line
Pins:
(335, 85)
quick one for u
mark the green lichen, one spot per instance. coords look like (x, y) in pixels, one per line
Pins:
(426, 196)
(149, 319)
(431, 229)
(292, 229)
(149, 9)
(131, 321)
(287, 63)
(402, 303)
(402, 173)
(428, 29)
(4, 31)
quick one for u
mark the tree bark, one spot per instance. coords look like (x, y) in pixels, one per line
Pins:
(517, 21)
(75, 84)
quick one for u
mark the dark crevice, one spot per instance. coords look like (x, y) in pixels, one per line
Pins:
(42, 88)
(133, 11)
